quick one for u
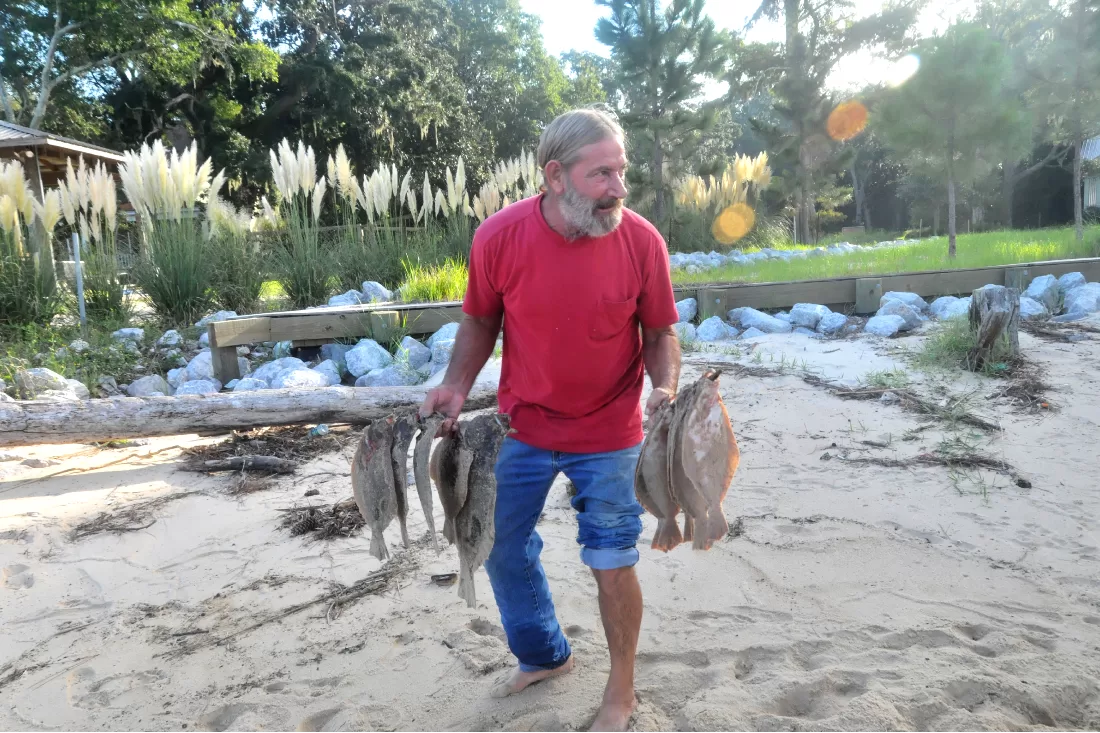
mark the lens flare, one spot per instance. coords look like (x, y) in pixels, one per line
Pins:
(733, 223)
(847, 120)
(903, 69)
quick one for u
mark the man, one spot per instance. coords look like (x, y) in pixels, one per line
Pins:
(571, 274)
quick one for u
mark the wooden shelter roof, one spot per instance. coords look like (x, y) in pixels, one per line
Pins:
(51, 151)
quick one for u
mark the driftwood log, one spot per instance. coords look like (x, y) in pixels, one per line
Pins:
(995, 317)
(86, 421)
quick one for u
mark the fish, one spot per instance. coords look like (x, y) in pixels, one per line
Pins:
(474, 528)
(708, 454)
(372, 482)
(651, 484)
(421, 470)
(404, 428)
(680, 485)
(443, 469)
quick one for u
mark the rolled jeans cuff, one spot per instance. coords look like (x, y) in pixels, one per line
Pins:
(609, 559)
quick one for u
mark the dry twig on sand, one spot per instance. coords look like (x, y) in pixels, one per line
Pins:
(342, 519)
(131, 518)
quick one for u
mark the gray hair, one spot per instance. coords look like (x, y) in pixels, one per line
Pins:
(570, 131)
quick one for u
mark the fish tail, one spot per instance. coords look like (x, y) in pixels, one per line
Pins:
(711, 529)
(466, 587)
(449, 530)
(378, 545)
(667, 535)
(404, 533)
(689, 527)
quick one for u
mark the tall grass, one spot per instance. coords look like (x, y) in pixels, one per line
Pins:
(28, 288)
(985, 249)
(718, 211)
(238, 262)
(303, 266)
(434, 283)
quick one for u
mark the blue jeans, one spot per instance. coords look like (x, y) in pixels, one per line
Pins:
(609, 524)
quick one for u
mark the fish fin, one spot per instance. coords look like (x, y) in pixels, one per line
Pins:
(667, 536)
(404, 532)
(466, 589)
(378, 544)
(709, 530)
(449, 530)
(689, 528)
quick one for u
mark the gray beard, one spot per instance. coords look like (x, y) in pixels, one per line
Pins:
(581, 217)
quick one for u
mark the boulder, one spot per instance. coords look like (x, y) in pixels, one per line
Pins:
(201, 367)
(282, 349)
(204, 340)
(199, 386)
(4, 397)
(79, 346)
(79, 389)
(107, 387)
(29, 383)
(57, 395)
(249, 384)
(300, 378)
(715, 329)
(351, 297)
(270, 370)
(832, 323)
(751, 333)
(783, 316)
(146, 385)
(807, 315)
(176, 377)
(244, 366)
(215, 317)
(231, 384)
(330, 371)
(414, 352)
(129, 334)
(734, 316)
(752, 318)
(1083, 299)
(395, 375)
(940, 305)
(1071, 280)
(1032, 310)
(687, 308)
(447, 333)
(958, 309)
(337, 354)
(175, 356)
(897, 308)
(885, 326)
(685, 332)
(367, 356)
(170, 339)
(3, 386)
(441, 354)
(803, 331)
(375, 292)
(912, 300)
(1045, 290)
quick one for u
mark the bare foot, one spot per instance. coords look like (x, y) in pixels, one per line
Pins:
(613, 716)
(520, 680)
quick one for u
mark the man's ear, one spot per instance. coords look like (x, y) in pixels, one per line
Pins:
(554, 175)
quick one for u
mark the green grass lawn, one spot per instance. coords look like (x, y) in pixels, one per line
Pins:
(983, 249)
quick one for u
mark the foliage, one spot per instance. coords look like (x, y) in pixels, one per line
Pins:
(36, 345)
(28, 290)
(237, 259)
(436, 283)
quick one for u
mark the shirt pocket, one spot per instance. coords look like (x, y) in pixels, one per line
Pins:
(612, 317)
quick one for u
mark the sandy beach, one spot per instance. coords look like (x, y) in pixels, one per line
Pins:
(864, 585)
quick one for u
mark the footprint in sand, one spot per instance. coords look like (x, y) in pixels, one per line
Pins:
(221, 718)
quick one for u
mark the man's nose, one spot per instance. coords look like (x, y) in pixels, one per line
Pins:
(617, 187)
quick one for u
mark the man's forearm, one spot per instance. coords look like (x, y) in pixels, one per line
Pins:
(661, 355)
(474, 344)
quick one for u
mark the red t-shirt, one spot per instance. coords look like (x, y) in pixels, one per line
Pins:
(572, 372)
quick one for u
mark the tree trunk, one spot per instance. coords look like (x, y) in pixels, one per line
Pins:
(995, 317)
(1078, 213)
(858, 193)
(34, 423)
(658, 179)
(950, 216)
(1008, 192)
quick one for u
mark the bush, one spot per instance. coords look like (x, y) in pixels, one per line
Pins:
(177, 271)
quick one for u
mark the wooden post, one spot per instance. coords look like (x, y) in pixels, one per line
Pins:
(1015, 277)
(868, 294)
(995, 317)
(223, 358)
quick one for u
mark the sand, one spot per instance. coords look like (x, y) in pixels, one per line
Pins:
(849, 596)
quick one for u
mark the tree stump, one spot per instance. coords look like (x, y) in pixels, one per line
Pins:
(995, 318)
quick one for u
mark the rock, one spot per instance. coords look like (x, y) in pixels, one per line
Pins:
(272, 369)
(79, 346)
(687, 308)
(79, 389)
(940, 305)
(215, 317)
(204, 340)
(6, 456)
(248, 384)
(783, 316)
(199, 386)
(201, 367)
(300, 378)
(1070, 317)
(175, 356)
(282, 349)
(176, 377)
(1070, 280)
(686, 332)
(38, 463)
(31, 382)
(374, 292)
(889, 398)
(752, 318)
(448, 332)
(170, 339)
(244, 366)
(414, 352)
(395, 375)
(367, 356)
(1045, 290)
(734, 316)
(885, 326)
(912, 300)
(1083, 299)
(807, 332)
(1032, 310)
(5, 397)
(897, 308)
(352, 297)
(244, 351)
(958, 309)
(832, 323)
(57, 395)
(441, 354)
(231, 384)
(3, 386)
(336, 353)
(751, 333)
(715, 329)
(136, 335)
(107, 387)
(144, 386)
(329, 370)
(61, 354)
(808, 315)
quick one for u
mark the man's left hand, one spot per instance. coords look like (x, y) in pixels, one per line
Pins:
(657, 397)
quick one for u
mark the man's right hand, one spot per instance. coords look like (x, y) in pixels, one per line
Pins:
(446, 400)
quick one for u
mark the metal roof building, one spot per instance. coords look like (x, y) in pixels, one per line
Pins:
(44, 154)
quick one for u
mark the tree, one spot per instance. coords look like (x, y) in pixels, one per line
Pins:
(817, 35)
(47, 50)
(956, 112)
(662, 58)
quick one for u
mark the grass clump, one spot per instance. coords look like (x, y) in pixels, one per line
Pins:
(434, 283)
(949, 348)
(886, 379)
